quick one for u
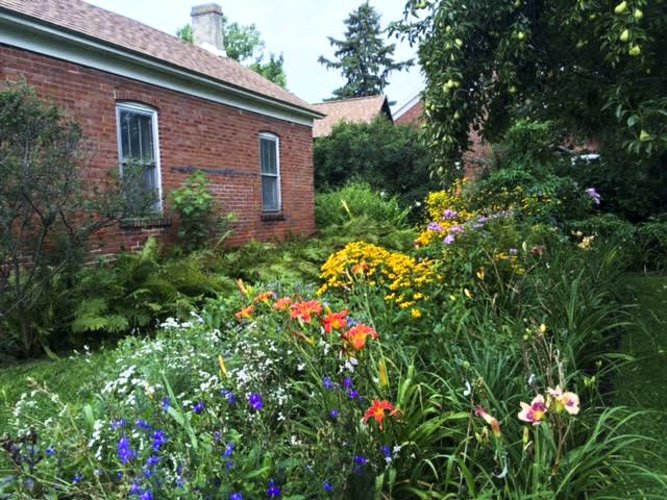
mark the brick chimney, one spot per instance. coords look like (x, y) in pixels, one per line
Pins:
(207, 27)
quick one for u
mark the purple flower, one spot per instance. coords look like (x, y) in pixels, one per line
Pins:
(256, 402)
(449, 239)
(77, 478)
(148, 473)
(50, 451)
(434, 226)
(273, 490)
(353, 394)
(236, 496)
(147, 495)
(143, 425)
(328, 487)
(199, 407)
(165, 404)
(594, 195)
(230, 465)
(348, 383)
(334, 414)
(119, 423)
(455, 230)
(360, 460)
(328, 384)
(125, 452)
(120, 476)
(229, 450)
(159, 439)
(229, 396)
(513, 251)
(153, 461)
(135, 489)
(386, 452)
(449, 214)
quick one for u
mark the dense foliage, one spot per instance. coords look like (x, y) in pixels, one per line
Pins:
(595, 68)
(363, 58)
(486, 379)
(391, 159)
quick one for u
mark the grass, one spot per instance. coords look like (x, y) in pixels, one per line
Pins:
(68, 377)
(642, 385)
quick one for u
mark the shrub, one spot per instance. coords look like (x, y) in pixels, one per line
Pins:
(389, 158)
(357, 200)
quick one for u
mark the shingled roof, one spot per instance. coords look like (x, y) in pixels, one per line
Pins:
(122, 32)
(355, 110)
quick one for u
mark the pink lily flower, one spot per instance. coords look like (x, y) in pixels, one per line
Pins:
(535, 412)
(567, 401)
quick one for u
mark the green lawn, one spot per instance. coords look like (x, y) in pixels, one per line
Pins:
(642, 385)
(69, 377)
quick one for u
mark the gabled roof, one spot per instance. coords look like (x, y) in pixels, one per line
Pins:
(408, 106)
(81, 18)
(355, 110)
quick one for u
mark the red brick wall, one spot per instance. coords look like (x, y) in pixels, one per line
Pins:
(412, 116)
(193, 132)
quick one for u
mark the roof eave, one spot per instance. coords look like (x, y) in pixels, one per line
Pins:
(74, 39)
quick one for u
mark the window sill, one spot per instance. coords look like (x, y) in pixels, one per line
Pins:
(272, 216)
(145, 222)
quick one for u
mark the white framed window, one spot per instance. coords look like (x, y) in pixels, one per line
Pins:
(269, 157)
(139, 154)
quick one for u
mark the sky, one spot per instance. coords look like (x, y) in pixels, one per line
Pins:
(296, 28)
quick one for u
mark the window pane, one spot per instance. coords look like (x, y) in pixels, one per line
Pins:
(270, 198)
(139, 170)
(267, 149)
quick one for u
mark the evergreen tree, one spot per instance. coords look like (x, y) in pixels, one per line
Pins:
(363, 58)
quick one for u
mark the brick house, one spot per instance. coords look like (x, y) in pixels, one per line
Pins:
(354, 110)
(144, 95)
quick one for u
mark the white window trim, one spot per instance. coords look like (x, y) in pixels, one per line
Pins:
(276, 140)
(145, 110)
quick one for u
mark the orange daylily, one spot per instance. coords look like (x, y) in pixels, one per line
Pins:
(245, 313)
(335, 321)
(357, 336)
(282, 304)
(378, 410)
(265, 297)
(304, 311)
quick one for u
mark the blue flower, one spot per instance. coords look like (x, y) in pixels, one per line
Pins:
(165, 404)
(328, 487)
(147, 495)
(143, 425)
(120, 476)
(77, 478)
(50, 451)
(273, 491)
(230, 465)
(348, 383)
(152, 461)
(125, 452)
(236, 496)
(334, 414)
(135, 489)
(386, 451)
(328, 384)
(148, 473)
(353, 394)
(159, 439)
(118, 423)
(229, 396)
(256, 402)
(199, 407)
(360, 460)
(229, 450)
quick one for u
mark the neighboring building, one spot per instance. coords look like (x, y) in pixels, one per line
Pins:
(144, 95)
(477, 156)
(410, 113)
(355, 110)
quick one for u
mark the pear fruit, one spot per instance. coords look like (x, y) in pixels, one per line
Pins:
(621, 7)
(635, 50)
(638, 14)
(644, 136)
(625, 36)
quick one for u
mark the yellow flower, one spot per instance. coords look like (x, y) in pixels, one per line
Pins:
(467, 293)
(543, 329)
(223, 368)
(416, 313)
